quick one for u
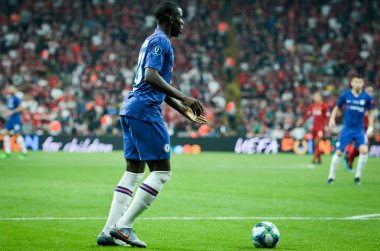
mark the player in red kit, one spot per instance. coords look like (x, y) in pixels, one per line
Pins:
(350, 151)
(318, 110)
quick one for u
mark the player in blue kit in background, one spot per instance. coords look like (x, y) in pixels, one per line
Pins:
(146, 140)
(355, 102)
(13, 124)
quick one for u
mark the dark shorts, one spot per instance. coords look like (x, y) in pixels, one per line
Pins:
(13, 125)
(347, 135)
(145, 140)
(318, 133)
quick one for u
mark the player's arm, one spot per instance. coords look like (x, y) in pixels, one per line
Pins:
(333, 116)
(153, 77)
(306, 116)
(340, 103)
(371, 119)
(185, 111)
(19, 108)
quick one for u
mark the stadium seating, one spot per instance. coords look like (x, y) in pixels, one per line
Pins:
(74, 60)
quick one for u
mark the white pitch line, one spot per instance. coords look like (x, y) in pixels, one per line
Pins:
(189, 218)
(364, 216)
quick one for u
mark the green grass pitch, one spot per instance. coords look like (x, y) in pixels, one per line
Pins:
(60, 201)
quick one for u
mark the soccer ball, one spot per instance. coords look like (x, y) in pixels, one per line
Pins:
(265, 235)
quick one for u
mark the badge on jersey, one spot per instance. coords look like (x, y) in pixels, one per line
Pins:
(156, 50)
(166, 148)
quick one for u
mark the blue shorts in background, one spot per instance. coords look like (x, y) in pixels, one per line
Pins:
(13, 125)
(145, 140)
(347, 135)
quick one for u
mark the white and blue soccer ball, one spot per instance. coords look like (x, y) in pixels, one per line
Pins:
(265, 235)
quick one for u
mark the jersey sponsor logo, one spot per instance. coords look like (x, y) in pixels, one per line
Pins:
(10, 104)
(356, 108)
(156, 50)
(362, 102)
(166, 148)
(317, 112)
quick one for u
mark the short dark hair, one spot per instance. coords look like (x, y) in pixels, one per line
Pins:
(164, 10)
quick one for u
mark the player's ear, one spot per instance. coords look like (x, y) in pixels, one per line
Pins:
(171, 18)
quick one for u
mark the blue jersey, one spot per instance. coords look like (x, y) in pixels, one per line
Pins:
(12, 103)
(144, 102)
(355, 108)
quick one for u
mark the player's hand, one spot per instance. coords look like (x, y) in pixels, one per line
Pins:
(7, 114)
(332, 124)
(369, 132)
(188, 113)
(194, 105)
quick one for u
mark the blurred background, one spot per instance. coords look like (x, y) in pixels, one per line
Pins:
(253, 64)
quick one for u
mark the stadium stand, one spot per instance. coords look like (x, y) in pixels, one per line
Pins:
(252, 63)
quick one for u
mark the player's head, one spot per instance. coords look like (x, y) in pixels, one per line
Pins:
(170, 14)
(357, 83)
(370, 90)
(317, 97)
(11, 90)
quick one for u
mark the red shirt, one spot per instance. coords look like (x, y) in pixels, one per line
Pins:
(320, 115)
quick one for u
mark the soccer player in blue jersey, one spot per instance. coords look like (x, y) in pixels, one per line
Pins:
(355, 102)
(13, 124)
(146, 140)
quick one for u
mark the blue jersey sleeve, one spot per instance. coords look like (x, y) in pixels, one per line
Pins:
(13, 103)
(17, 102)
(342, 100)
(156, 54)
(369, 103)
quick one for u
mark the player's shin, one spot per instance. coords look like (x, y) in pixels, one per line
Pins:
(317, 152)
(145, 195)
(21, 142)
(362, 161)
(122, 198)
(334, 165)
(7, 144)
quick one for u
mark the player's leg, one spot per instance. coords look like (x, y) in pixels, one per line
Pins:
(344, 139)
(122, 196)
(351, 152)
(335, 161)
(6, 143)
(147, 193)
(21, 142)
(318, 152)
(159, 174)
(316, 156)
(123, 193)
(352, 156)
(349, 149)
(361, 143)
(153, 146)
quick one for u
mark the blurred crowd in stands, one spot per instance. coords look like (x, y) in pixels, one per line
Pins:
(290, 49)
(254, 64)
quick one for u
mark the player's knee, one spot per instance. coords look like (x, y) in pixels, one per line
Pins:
(19, 139)
(6, 138)
(363, 150)
(339, 153)
(163, 177)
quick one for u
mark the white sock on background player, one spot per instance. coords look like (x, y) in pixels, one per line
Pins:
(7, 144)
(122, 198)
(362, 161)
(21, 142)
(144, 196)
(334, 165)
